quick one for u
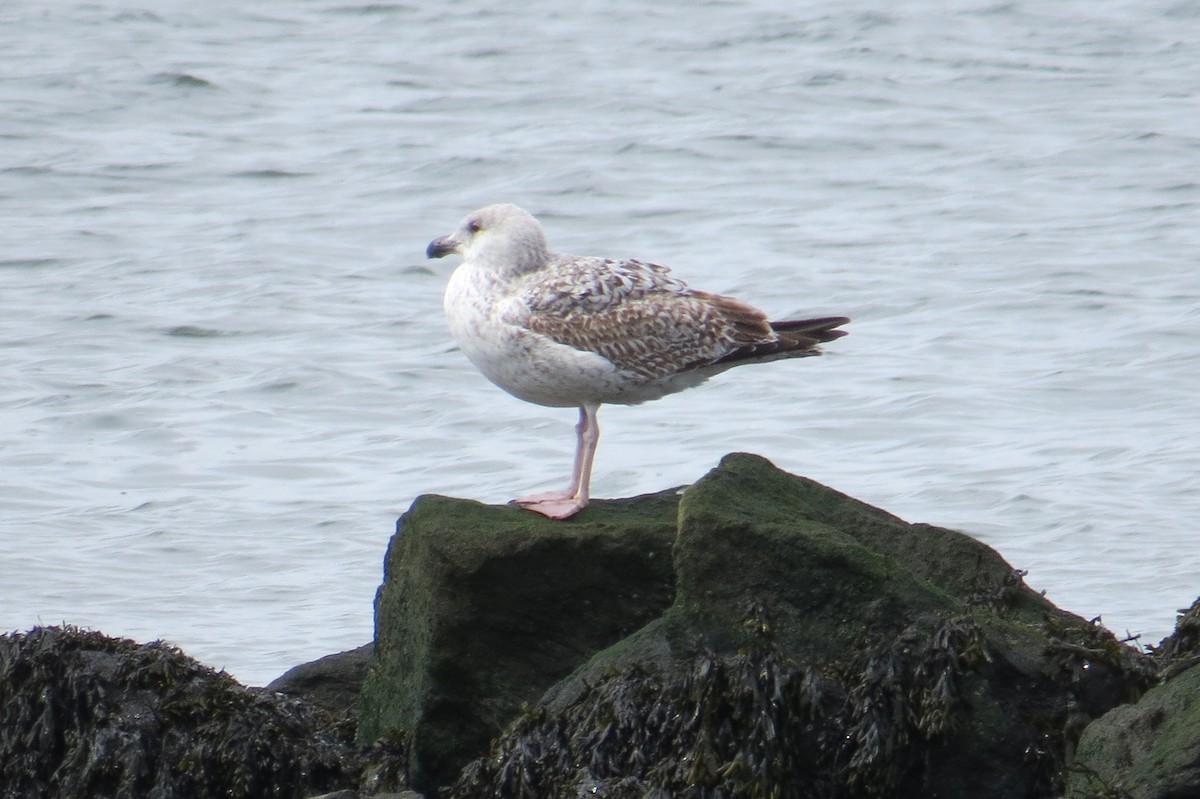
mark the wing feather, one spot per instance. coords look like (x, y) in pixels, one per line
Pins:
(638, 317)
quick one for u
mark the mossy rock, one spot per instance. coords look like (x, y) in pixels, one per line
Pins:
(483, 608)
(747, 494)
(796, 643)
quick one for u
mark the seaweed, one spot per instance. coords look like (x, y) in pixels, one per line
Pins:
(86, 715)
(753, 724)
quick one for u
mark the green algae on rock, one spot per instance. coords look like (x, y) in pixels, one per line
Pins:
(1148, 750)
(797, 643)
(483, 608)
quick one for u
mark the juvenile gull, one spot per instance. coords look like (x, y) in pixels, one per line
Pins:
(576, 331)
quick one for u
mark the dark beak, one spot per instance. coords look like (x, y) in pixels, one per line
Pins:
(441, 247)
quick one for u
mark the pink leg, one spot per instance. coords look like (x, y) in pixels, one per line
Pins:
(570, 492)
(564, 504)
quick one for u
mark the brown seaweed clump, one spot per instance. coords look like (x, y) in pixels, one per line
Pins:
(85, 715)
(752, 725)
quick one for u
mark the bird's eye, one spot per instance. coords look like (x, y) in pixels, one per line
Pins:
(474, 226)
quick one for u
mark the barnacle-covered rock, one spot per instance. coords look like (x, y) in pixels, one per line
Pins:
(86, 715)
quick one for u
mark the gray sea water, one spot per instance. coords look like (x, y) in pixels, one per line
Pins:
(224, 369)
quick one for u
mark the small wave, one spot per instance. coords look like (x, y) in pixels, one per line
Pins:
(375, 8)
(192, 331)
(270, 174)
(27, 263)
(183, 80)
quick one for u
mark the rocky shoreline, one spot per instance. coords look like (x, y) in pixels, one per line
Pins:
(754, 635)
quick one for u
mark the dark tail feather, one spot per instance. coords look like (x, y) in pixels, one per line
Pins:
(796, 339)
(821, 329)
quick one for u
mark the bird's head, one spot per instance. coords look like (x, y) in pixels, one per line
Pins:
(502, 238)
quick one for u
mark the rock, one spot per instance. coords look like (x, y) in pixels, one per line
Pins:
(1150, 750)
(823, 562)
(82, 714)
(484, 608)
(1181, 649)
(331, 683)
(793, 642)
(357, 795)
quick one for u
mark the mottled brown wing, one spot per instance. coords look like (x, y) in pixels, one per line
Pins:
(640, 318)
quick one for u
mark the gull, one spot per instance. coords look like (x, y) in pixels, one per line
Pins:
(578, 331)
